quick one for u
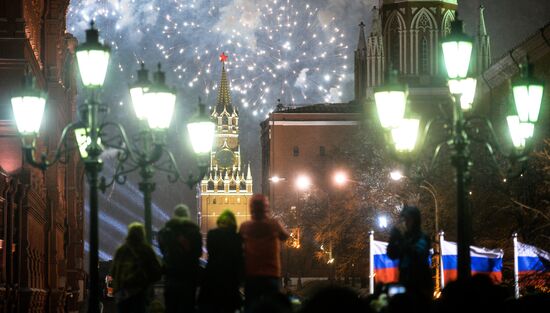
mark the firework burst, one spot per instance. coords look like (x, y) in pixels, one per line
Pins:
(288, 50)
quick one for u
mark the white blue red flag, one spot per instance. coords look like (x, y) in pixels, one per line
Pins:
(386, 270)
(483, 260)
(531, 266)
(532, 259)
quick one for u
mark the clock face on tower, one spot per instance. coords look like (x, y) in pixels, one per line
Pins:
(225, 158)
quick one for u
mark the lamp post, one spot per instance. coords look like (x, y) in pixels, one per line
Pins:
(90, 133)
(402, 132)
(150, 99)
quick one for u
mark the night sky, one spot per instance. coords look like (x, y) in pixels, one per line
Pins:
(298, 51)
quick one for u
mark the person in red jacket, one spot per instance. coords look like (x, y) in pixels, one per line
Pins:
(262, 237)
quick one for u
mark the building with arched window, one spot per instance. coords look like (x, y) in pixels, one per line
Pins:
(405, 36)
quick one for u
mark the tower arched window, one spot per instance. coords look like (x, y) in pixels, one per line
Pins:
(425, 26)
(394, 44)
(424, 55)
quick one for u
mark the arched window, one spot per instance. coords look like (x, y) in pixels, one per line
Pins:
(448, 18)
(424, 55)
(394, 44)
(425, 27)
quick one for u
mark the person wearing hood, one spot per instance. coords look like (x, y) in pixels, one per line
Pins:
(262, 237)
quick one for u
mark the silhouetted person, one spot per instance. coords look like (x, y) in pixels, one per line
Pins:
(412, 248)
(477, 294)
(272, 303)
(181, 245)
(262, 236)
(332, 299)
(135, 270)
(224, 271)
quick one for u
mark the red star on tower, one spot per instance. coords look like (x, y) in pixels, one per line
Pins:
(223, 57)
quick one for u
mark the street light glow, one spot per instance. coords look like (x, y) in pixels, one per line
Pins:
(303, 182)
(382, 221)
(340, 178)
(275, 179)
(396, 175)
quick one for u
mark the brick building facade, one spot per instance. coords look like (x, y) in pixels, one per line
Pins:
(41, 213)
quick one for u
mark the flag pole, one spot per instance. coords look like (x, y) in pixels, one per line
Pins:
(441, 268)
(371, 262)
(516, 275)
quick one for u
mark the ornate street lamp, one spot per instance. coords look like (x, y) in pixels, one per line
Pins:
(457, 49)
(93, 59)
(91, 140)
(154, 103)
(28, 108)
(154, 106)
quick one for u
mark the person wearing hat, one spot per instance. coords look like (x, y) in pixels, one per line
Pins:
(180, 243)
(219, 292)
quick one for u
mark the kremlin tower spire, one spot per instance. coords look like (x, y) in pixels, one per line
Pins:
(224, 93)
(375, 53)
(225, 186)
(483, 44)
(361, 66)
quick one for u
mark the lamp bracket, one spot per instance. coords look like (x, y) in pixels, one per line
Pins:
(515, 159)
(61, 150)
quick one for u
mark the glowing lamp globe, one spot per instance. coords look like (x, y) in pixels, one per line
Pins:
(137, 93)
(93, 59)
(201, 131)
(391, 101)
(405, 136)
(457, 50)
(83, 141)
(528, 95)
(162, 101)
(28, 108)
(466, 88)
(519, 132)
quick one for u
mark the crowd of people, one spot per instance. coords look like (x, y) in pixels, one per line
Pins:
(250, 256)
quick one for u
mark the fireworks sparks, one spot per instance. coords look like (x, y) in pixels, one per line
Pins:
(278, 49)
(286, 50)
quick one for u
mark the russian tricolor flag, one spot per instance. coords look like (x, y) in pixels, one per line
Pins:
(532, 260)
(483, 261)
(386, 270)
(531, 264)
